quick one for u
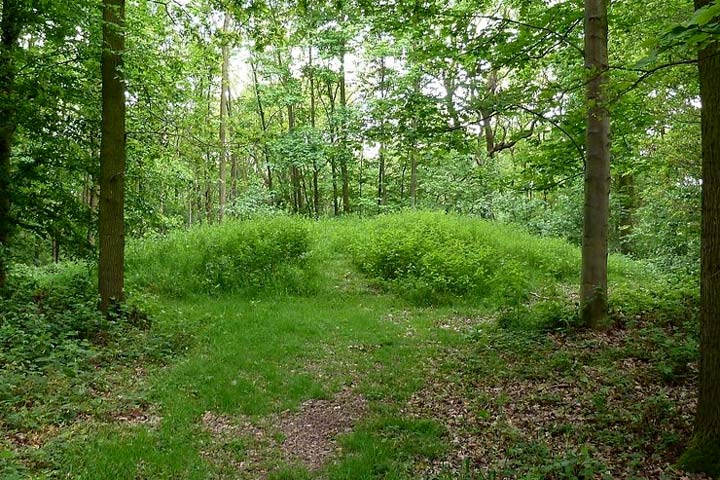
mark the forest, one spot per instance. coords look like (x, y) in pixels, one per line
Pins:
(359, 239)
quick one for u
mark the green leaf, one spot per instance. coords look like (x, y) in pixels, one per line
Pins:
(706, 15)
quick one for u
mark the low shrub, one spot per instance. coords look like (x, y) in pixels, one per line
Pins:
(48, 316)
(435, 257)
(248, 256)
(54, 341)
(547, 315)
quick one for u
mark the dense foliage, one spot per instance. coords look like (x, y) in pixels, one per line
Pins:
(236, 256)
(444, 166)
(334, 107)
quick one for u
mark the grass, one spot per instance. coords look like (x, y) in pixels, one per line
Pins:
(432, 371)
(255, 357)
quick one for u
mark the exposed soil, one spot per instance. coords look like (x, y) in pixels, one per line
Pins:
(310, 433)
(307, 436)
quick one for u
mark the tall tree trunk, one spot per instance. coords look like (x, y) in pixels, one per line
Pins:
(224, 99)
(11, 27)
(449, 98)
(381, 153)
(627, 194)
(316, 168)
(413, 178)
(111, 277)
(414, 152)
(208, 189)
(333, 159)
(487, 125)
(593, 292)
(343, 138)
(381, 175)
(704, 452)
(263, 125)
(294, 170)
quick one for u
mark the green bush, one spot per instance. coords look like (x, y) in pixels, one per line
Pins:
(435, 257)
(546, 315)
(236, 256)
(50, 334)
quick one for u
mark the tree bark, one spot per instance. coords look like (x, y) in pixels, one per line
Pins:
(626, 190)
(11, 27)
(316, 168)
(112, 158)
(333, 137)
(224, 99)
(381, 152)
(704, 452)
(413, 177)
(343, 138)
(263, 125)
(593, 293)
(294, 170)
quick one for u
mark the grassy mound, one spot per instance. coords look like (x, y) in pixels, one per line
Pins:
(435, 257)
(249, 256)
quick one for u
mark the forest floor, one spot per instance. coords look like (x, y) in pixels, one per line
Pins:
(356, 383)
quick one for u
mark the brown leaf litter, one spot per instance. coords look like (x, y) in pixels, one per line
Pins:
(495, 423)
(307, 436)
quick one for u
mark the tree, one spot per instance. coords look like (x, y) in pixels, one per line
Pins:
(224, 102)
(10, 28)
(593, 292)
(112, 158)
(704, 452)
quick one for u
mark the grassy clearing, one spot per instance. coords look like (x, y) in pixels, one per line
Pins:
(453, 368)
(258, 357)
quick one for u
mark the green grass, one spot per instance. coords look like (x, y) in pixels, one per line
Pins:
(255, 357)
(304, 323)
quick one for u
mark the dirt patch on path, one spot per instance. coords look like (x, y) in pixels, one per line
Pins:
(307, 436)
(310, 433)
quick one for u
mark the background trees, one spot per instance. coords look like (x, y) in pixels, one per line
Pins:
(337, 107)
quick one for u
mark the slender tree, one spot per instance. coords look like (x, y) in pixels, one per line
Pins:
(593, 292)
(224, 101)
(10, 25)
(704, 452)
(343, 136)
(112, 158)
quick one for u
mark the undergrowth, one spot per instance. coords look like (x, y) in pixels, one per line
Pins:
(432, 257)
(59, 356)
(220, 293)
(251, 256)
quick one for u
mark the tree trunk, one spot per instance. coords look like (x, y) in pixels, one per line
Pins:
(263, 125)
(294, 170)
(112, 158)
(343, 138)
(704, 452)
(413, 178)
(627, 194)
(593, 293)
(492, 86)
(381, 153)
(381, 175)
(333, 139)
(8, 44)
(316, 169)
(224, 99)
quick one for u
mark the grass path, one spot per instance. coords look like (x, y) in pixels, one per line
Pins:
(255, 359)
